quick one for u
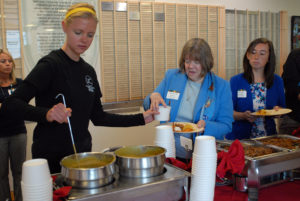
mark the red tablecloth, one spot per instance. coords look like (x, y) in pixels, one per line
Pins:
(289, 191)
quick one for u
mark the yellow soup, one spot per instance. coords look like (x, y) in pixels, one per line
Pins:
(139, 152)
(86, 162)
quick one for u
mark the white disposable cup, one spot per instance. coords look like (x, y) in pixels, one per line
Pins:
(44, 193)
(164, 133)
(164, 137)
(208, 171)
(169, 146)
(205, 145)
(35, 172)
(37, 187)
(164, 113)
(202, 188)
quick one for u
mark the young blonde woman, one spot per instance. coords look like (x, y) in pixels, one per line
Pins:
(12, 132)
(63, 71)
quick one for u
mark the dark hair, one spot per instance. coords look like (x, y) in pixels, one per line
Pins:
(269, 67)
(199, 50)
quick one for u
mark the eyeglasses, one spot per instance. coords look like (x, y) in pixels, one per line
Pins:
(195, 62)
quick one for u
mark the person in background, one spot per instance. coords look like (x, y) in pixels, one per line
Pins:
(291, 79)
(13, 136)
(63, 71)
(255, 89)
(195, 95)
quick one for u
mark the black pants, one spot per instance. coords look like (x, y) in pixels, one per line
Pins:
(54, 152)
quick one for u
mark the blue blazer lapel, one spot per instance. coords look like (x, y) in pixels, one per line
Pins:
(202, 98)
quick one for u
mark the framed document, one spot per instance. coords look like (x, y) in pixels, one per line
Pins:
(295, 32)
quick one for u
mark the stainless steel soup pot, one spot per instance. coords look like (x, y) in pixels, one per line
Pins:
(89, 177)
(140, 161)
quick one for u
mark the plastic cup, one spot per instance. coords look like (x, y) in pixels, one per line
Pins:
(164, 137)
(164, 114)
(37, 193)
(169, 146)
(204, 167)
(202, 188)
(205, 145)
(35, 172)
(164, 133)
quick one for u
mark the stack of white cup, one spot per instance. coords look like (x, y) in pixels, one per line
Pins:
(204, 169)
(36, 181)
(164, 137)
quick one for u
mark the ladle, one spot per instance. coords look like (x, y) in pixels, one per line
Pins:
(69, 123)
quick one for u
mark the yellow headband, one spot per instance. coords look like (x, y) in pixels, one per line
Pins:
(78, 10)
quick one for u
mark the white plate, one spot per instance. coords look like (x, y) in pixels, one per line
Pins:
(273, 112)
(193, 126)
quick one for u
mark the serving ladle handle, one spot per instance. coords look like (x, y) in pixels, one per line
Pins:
(69, 123)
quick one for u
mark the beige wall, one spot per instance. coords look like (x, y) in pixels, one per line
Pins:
(105, 137)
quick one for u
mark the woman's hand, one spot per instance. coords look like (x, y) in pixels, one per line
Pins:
(244, 116)
(149, 115)
(249, 117)
(201, 124)
(276, 108)
(59, 113)
(156, 100)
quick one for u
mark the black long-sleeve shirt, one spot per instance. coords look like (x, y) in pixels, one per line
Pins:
(291, 78)
(10, 126)
(54, 74)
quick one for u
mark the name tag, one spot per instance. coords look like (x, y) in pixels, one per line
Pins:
(186, 143)
(242, 93)
(173, 95)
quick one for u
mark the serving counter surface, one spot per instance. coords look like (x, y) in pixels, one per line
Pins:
(171, 185)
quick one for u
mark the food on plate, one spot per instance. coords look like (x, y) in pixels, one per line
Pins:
(183, 127)
(288, 143)
(261, 112)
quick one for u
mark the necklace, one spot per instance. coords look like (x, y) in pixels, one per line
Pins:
(9, 91)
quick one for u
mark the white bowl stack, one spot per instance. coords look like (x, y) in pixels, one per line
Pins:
(164, 137)
(36, 181)
(204, 169)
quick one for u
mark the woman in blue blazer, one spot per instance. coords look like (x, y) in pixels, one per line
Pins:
(195, 95)
(255, 89)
